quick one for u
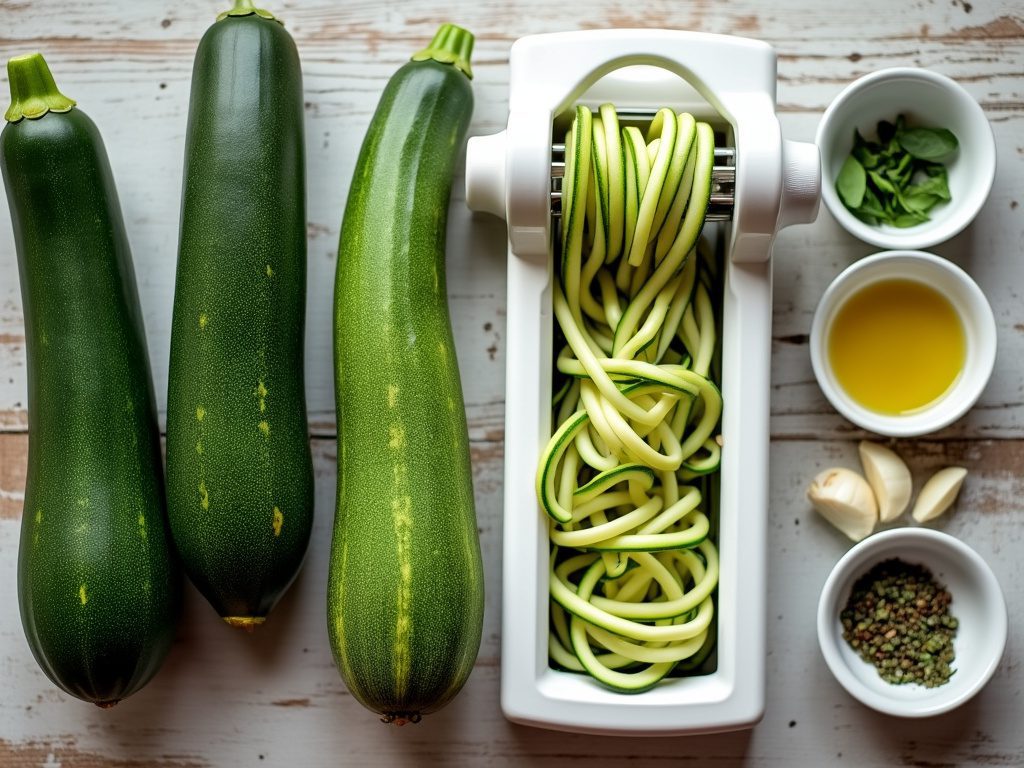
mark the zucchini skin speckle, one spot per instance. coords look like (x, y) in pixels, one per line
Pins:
(98, 583)
(405, 587)
(239, 468)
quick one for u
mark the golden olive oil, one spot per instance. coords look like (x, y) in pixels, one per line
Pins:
(896, 346)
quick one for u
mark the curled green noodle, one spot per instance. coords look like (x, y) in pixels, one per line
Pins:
(633, 571)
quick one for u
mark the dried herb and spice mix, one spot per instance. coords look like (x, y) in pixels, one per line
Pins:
(898, 619)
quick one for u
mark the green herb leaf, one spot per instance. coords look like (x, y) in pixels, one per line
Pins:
(905, 220)
(930, 185)
(866, 156)
(920, 202)
(851, 183)
(928, 143)
(903, 170)
(863, 151)
(872, 206)
(936, 179)
(893, 151)
(881, 182)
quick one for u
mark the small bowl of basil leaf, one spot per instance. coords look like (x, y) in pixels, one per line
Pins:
(908, 158)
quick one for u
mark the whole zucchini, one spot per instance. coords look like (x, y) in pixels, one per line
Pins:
(98, 585)
(405, 588)
(239, 469)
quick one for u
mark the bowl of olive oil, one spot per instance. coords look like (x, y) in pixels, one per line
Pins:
(903, 343)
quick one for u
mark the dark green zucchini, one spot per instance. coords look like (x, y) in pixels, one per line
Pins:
(405, 589)
(239, 469)
(97, 581)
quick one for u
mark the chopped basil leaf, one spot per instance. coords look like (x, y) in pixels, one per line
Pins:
(928, 143)
(896, 179)
(851, 182)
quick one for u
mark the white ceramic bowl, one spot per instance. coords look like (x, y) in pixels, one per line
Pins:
(927, 99)
(970, 304)
(978, 605)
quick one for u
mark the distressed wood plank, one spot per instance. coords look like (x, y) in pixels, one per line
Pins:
(227, 699)
(806, 258)
(132, 75)
(13, 461)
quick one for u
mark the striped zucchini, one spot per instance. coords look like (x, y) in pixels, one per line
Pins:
(239, 469)
(98, 584)
(405, 589)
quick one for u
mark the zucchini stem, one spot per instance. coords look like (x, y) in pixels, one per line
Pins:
(246, 8)
(33, 91)
(451, 45)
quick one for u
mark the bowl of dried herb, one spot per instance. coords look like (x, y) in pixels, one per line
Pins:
(908, 158)
(912, 622)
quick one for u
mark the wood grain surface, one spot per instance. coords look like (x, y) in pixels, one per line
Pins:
(274, 698)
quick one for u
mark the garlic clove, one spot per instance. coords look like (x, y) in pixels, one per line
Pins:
(939, 493)
(888, 477)
(845, 499)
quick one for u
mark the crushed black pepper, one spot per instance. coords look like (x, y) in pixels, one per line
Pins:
(897, 618)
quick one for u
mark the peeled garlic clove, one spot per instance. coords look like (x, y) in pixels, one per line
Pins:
(938, 493)
(845, 499)
(889, 479)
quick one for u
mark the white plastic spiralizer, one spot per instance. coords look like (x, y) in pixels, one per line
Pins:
(764, 183)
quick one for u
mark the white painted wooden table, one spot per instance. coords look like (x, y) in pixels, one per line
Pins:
(225, 699)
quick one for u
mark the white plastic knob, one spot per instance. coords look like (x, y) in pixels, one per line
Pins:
(485, 174)
(801, 183)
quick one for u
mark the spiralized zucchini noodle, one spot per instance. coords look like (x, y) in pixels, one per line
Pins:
(624, 476)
